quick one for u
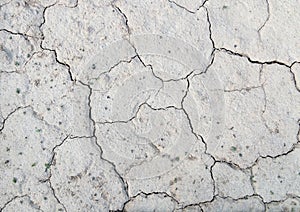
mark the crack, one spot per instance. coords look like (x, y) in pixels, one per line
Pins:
(1, 5)
(213, 53)
(265, 103)
(11, 200)
(31, 56)
(209, 65)
(181, 78)
(80, 137)
(241, 54)
(73, 6)
(24, 33)
(125, 121)
(260, 157)
(235, 167)
(162, 108)
(191, 205)
(137, 56)
(209, 29)
(288, 196)
(204, 2)
(228, 51)
(251, 60)
(165, 194)
(34, 205)
(115, 65)
(136, 51)
(246, 171)
(55, 196)
(294, 76)
(61, 63)
(198, 137)
(264, 63)
(129, 34)
(182, 7)
(34, 114)
(56, 146)
(187, 115)
(44, 19)
(267, 19)
(186, 9)
(53, 50)
(8, 72)
(123, 16)
(243, 89)
(90, 107)
(26, 36)
(11, 113)
(40, 118)
(227, 198)
(298, 136)
(294, 146)
(252, 181)
(241, 198)
(48, 167)
(123, 181)
(186, 93)
(31, 203)
(271, 131)
(165, 108)
(246, 89)
(232, 165)
(144, 64)
(150, 143)
(212, 177)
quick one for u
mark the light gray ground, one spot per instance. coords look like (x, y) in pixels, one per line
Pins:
(153, 105)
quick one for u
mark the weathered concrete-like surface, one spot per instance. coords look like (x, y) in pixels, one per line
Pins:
(173, 105)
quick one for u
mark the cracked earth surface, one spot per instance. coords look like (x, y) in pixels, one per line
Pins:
(155, 105)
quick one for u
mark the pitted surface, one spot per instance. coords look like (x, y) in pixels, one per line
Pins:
(174, 105)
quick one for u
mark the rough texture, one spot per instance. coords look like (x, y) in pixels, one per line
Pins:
(87, 179)
(231, 182)
(290, 204)
(261, 29)
(153, 202)
(276, 179)
(228, 204)
(174, 105)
